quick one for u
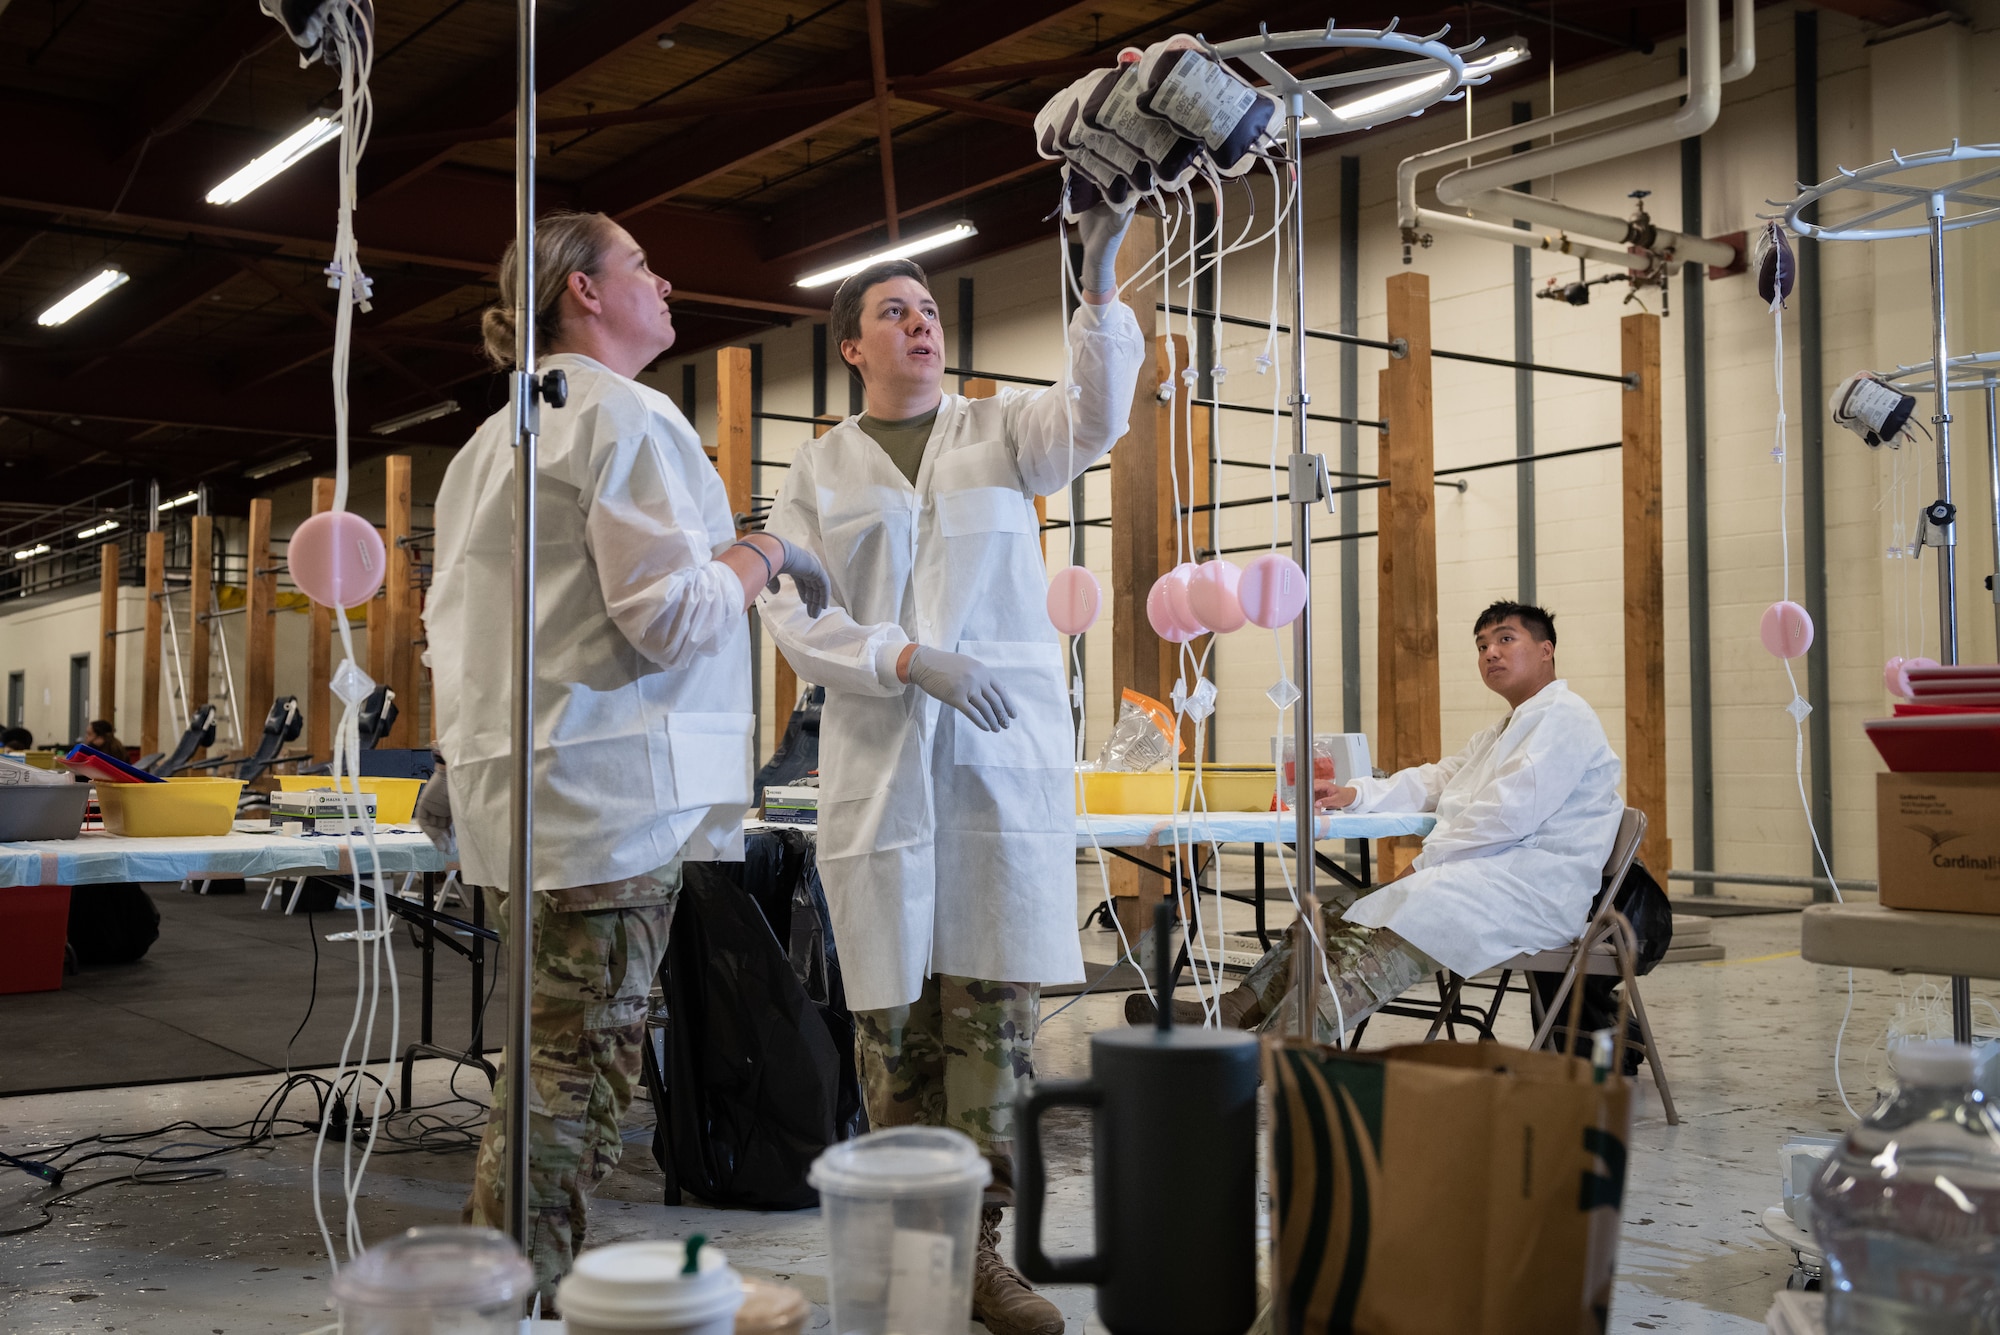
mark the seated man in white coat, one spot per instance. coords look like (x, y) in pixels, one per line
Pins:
(1527, 814)
(947, 835)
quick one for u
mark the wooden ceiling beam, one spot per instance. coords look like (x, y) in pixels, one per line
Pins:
(608, 29)
(304, 299)
(193, 76)
(1887, 13)
(707, 150)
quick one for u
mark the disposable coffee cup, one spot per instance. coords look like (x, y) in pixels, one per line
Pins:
(469, 1281)
(638, 1288)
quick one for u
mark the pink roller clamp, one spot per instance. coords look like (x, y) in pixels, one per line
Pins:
(1272, 591)
(1787, 630)
(337, 559)
(1213, 598)
(1075, 599)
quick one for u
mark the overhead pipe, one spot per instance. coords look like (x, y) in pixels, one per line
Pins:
(1481, 190)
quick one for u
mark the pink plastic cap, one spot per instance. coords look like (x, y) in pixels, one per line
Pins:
(1787, 631)
(337, 559)
(1075, 598)
(1272, 591)
(1212, 595)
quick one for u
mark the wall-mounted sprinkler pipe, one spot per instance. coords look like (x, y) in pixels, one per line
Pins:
(1483, 190)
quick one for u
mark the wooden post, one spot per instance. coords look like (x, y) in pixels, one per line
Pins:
(1410, 525)
(733, 428)
(399, 622)
(149, 689)
(1181, 482)
(201, 593)
(1136, 464)
(106, 704)
(378, 625)
(1407, 622)
(1645, 591)
(260, 634)
(319, 654)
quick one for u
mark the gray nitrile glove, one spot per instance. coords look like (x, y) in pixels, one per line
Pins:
(806, 572)
(966, 684)
(1101, 228)
(434, 813)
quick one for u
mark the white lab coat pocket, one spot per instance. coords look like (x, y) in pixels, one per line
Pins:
(971, 510)
(711, 758)
(1042, 735)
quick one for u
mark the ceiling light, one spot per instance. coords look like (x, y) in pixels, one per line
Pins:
(901, 250)
(95, 529)
(264, 470)
(390, 426)
(664, 42)
(262, 168)
(36, 550)
(88, 291)
(1510, 52)
(179, 500)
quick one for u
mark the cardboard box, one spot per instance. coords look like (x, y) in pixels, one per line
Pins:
(1938, 841)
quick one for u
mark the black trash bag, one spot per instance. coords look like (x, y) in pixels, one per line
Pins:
(797, 753)
(114, 922)
(751, 1077)
(1646, 907)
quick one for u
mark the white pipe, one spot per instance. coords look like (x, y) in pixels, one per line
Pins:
(1479, 189)
(1432, 220)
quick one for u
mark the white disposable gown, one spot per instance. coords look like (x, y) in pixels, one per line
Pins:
(1526, 815)
(643, 728)
(945, 849)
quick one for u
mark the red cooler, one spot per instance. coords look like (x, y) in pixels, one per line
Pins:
(34, 928)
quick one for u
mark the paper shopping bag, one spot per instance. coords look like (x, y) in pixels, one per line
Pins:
(1469, 1188)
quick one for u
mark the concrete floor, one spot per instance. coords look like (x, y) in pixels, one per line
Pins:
(1749, 1045)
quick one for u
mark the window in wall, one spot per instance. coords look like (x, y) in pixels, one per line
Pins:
(17, 699)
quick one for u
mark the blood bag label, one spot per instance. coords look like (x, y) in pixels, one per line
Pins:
(1203, 99)
(920, 1287)
(1120, 114)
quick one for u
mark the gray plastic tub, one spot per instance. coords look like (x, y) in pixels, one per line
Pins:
(36, 812)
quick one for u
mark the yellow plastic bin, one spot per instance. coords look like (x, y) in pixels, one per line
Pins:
(1115, 793)
(167, 810)
(395, 799)
(1233, 788)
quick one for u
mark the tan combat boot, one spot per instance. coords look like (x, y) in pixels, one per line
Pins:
(1001, 1299)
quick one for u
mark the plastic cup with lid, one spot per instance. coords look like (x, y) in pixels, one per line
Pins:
(902, 1220)
(435, 1281)
(651, 1288)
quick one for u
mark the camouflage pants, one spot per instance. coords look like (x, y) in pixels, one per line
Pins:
(593, 969)
(1369, 966)
(955, 1057)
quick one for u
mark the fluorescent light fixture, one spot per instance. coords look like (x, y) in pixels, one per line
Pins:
(179, 500)
(292, 460)
(901, 250)
(36, 550)
(390, 426)
(88, 291)
(95, 529)
(263, 167)
(1510, 52)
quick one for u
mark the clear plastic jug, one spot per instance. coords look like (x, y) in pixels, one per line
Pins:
(435, 1281)
(1907, 1209)
(902, 1221)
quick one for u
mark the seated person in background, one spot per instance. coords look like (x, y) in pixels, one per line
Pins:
(1527, 813)
(104, 739)
(17, 739)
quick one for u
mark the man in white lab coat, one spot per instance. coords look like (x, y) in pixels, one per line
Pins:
(1527, 813)
(947, 835)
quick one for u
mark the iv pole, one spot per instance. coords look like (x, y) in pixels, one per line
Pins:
(1307, 471)
(1939, 528)
(525, 398)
